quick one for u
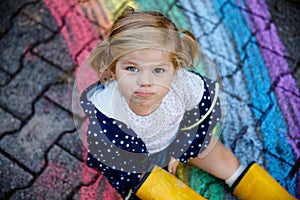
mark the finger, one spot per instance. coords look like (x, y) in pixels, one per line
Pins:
(170, 168)
(173, 168)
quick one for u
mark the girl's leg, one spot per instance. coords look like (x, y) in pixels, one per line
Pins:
(217, 160)
(249, 183)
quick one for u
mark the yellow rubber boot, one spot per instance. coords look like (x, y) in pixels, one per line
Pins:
(255, 183)
(161, 185)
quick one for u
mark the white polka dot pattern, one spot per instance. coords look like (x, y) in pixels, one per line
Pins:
(109, 138)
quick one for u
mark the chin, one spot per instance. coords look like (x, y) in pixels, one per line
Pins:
(145, 103)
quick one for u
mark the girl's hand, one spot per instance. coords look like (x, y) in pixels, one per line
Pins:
(173, 164)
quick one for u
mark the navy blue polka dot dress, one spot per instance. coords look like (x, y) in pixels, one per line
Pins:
(121, 155)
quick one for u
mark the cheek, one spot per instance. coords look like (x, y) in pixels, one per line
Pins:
(164, 91)
(165, 85)
(167, 81)
(126, 86)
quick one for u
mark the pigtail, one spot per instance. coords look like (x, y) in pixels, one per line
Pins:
(100, 60)
(127, 11)
(189, 49)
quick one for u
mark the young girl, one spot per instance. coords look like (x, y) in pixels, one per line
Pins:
(149, 110)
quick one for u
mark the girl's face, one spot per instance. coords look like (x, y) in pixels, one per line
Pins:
(144, 78)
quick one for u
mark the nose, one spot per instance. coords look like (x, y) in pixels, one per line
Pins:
(145, 79)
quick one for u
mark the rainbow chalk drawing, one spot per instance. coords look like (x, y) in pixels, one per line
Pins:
(241, 38)
(286, 89)
(260, 69)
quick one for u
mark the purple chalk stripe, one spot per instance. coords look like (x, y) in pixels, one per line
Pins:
(286, 90)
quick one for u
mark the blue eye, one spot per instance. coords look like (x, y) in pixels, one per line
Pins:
(159, 70)
(132, 69)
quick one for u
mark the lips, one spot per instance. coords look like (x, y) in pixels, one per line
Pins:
(143, 94)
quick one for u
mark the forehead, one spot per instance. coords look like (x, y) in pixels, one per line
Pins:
(148, 56)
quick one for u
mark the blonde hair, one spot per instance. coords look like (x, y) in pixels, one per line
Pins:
(140, 30)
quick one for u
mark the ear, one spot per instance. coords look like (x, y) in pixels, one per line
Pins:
(113, 74)
(176, 69)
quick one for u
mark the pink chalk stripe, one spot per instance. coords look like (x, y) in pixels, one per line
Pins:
(81, 36)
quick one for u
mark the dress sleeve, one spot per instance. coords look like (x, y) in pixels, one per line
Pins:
(100, 148)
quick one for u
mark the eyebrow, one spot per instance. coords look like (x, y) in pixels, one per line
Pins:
(129, 62)
(125, 61)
